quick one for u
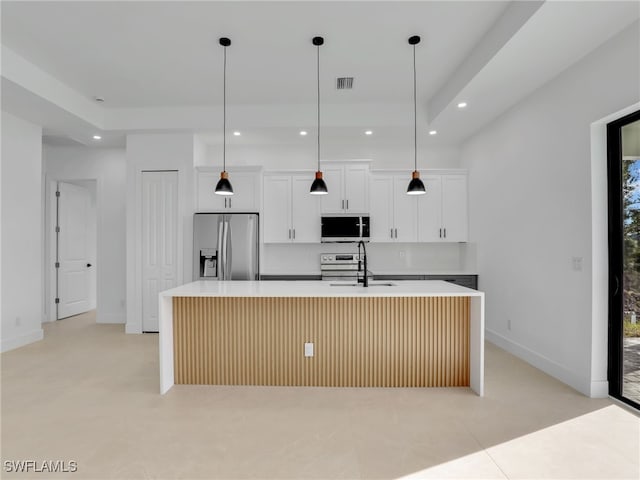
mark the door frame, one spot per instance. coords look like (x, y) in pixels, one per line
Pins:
(50, 209)
(615, 237)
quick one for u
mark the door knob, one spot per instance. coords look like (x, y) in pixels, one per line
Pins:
(88, 265)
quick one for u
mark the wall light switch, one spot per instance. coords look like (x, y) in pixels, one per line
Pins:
(308, 349)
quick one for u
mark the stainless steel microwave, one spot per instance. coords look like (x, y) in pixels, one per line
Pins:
(344, 228)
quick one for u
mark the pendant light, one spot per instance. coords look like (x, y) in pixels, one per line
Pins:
(416, 187)
(224, 186)
(318, 187)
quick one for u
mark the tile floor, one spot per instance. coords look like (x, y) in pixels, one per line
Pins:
(89, 393)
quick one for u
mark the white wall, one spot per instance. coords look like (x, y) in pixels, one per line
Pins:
(108, 168)
(530, 213)
(22, 241)
(157, 152)
(383, 155)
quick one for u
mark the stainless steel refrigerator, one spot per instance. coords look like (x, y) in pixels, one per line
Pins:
(225, 246)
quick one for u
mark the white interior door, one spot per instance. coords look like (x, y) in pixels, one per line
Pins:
(159, 241)
(74, 204)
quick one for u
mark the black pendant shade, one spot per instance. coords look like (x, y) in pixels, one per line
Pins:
(223, 186)
(416, 187)
(318, 187)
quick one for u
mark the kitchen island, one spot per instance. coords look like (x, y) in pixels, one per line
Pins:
(315, 333)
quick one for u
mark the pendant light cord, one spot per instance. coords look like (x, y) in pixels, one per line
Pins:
(415, 116)
(224, 112)
(318, 83)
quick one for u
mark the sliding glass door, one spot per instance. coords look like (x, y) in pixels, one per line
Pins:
(623, 142)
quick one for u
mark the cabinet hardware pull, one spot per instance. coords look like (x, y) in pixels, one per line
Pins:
(391, 233)
(440, 234)
(294, 233)
(396, 232)
(289, 234)
(347, 204)
(445, 233)
(229, 203)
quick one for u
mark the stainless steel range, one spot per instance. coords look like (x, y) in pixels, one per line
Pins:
(342, 266)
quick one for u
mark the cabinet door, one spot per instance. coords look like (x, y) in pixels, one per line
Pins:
(244, 192)
(430, 210)
(276, 209)
(405, 211)
(381, 208)
(356, 188)
(208, 201)
(454, 208)
(305, 210)
(333, 202)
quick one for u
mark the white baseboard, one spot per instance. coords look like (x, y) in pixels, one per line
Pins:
(21, 340)
(133, 328)
(110, 318)
(599, 389)
(541, 362)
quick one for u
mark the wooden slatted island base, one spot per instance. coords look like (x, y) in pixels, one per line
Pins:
(409, 334)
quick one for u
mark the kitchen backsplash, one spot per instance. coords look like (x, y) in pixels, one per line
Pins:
(382, 257)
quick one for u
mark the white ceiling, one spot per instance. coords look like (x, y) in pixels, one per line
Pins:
(159, 67)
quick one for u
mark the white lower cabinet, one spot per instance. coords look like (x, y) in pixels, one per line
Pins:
(393, 212)
(290, 213)
(244, 198)
(442, 211)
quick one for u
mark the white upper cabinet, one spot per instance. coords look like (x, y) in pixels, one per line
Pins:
(305, 210)
(290, 213)
(393, 212)
(245, 192)
(442, 211)
(454, 208)
(348, 187)
(430, 210)
(276, 209)
(405, 211)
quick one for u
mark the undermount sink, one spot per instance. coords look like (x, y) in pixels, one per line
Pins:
(371, 284)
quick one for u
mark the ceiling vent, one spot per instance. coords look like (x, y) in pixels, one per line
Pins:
(344, 83)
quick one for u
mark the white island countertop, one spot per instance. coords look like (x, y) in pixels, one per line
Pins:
(319, 288)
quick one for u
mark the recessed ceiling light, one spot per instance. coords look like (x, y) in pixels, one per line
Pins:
(462, 104)
(236, 134)
(303, 133)
(97, 137)
(432, 132)
(368, 132)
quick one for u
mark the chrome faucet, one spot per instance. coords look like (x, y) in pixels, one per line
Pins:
(365, 278)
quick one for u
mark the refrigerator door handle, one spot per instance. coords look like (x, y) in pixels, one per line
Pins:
(228, 250)
(220, 250)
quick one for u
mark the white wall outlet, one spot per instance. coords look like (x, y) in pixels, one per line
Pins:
(308, 349)
(401, 253)
(577, 263)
